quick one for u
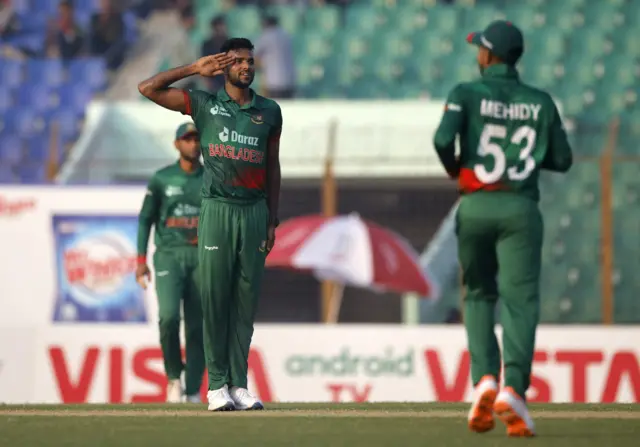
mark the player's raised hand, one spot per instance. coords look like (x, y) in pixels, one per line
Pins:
(142, 275)
(213, 65)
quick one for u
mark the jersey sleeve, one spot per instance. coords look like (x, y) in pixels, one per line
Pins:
(559, 157)
(148, 215)
(195, 101)
(450, 126)
(276, 129)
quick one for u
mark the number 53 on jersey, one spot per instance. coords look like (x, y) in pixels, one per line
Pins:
(503, 145)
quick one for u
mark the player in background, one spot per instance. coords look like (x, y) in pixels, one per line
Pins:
(240, 139)
(172, 206)
(508, 131)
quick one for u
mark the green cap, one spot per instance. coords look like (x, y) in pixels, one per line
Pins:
(502, 38)
(185, 129)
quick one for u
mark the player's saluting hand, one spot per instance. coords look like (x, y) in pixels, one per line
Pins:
(214, 65)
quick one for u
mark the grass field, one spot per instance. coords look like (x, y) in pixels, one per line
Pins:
(333, 425)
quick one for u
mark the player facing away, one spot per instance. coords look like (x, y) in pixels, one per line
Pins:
(240, 138)
(172, 206)
(508, 131)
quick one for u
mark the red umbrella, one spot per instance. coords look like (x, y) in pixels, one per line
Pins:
(350, 251)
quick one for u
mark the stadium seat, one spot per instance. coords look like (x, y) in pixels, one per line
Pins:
(604, 15)
(33, 173)
(620, 69)
(44, 6)
(67, 120)
(6, 98)
(289, 18)
(75, 98)
(37, 97)
(313, 45)
(244, 21)
(21, 7)
(325, 19)
(406, 21)
(8, 173)
(11, 149)
(23, 121)
(49, 72)
(37, 150)
(11, 72)
(477, 18)
(364, 19)
(88, 71)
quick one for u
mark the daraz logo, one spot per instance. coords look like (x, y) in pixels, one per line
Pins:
(348, 364)
(224, 135)
(237, 138)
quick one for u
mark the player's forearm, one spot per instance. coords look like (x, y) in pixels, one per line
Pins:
(273, 190)
(445, 143)
(144, 231)
(447, 157)
(154, 87)
(558, 161)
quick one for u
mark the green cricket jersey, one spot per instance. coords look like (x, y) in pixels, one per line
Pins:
(172, 206)
(508, 132)
(234, 142)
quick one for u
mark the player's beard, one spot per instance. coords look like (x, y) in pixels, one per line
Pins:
(237, 82)
(481, 69)
(191, 159)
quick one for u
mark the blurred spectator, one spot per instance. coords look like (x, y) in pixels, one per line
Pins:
(212, 46)
(274, 53)
(454, 316)
(65, 38)
(9, 24)
(187, 18)
(183, 5)
(108, 34)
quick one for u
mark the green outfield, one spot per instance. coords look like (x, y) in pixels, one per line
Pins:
(298, 425)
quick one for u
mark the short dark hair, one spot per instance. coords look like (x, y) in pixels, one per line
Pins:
(270, 20)
(236, 43)
(187, 12)
(217, 20)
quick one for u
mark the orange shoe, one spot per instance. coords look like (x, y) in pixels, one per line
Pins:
(512, 410)
(481, 414)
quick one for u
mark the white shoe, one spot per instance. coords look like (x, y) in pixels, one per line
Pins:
(220, 400)
(193, 399)
(512, 410)
(480, 417)
(174, 391)
(244, 400)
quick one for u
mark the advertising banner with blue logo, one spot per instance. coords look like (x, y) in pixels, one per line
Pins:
(95, 258)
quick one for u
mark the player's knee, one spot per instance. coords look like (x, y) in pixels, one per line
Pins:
(522, 293)
(193, 330)
(169, 322)
(485, 292)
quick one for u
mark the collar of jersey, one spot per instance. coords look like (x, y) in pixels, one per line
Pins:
(194, 172)
(224, 96)
(500, 71)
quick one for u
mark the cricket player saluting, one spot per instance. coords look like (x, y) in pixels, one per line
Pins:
(508, 132)
(172, 206)
(239, 134)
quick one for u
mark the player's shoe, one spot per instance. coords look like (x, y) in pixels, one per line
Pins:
(481, 413)
(512, 410)
(220, 400)
(193, 399)
(244, 400)
(174, 391)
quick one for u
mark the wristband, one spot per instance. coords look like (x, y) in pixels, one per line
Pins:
(141, 259)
